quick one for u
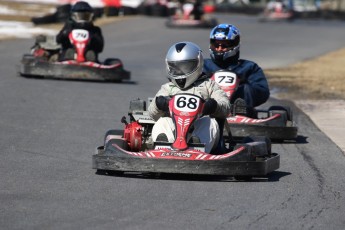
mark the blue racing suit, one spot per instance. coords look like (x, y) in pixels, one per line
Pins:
(253, 86)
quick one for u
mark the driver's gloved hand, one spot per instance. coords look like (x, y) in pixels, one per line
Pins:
(66, 32)
(162, 103)
(210, 107)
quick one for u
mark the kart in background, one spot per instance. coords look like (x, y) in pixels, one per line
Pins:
(43, 62)
(276, 122)
(277, 11)
(183, 19)
(132, 149)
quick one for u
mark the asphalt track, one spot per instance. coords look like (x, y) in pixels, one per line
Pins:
(49, 130)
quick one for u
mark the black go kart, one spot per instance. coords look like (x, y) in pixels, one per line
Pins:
(276, 122)
(43, 62)
(132, 149)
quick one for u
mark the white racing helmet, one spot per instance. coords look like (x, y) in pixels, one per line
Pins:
(184, 64)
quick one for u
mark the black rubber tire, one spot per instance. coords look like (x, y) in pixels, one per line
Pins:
(109, 172)
(243, 178)
(159, 10)
(111, 61)
(265, 139)
(113, 132)
(47, 19)
(283, 108)
(121, 143)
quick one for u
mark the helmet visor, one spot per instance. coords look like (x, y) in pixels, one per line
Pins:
(181, 68)
(223, 44)
(82, 16)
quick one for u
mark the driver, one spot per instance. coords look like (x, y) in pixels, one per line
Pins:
(81, 18)
(184, 63)
(197, 10)
(224, 49)
(196, 13)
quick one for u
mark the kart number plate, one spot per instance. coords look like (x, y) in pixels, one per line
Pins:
(80, 35)
(225, 79)
(186, 103)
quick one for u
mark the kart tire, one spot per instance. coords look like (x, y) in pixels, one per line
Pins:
(265, 139)
(27, 58)
(120, 142)
(47, 19)
(283, 108)
(159, 10)
(109, 172)
(112, 61)
(213, 22)
(113, 132)
(144, 10)
(243, 178)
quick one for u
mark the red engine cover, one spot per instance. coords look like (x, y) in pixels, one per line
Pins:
(133, 135)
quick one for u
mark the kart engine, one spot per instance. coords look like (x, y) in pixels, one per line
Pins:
(133, 135)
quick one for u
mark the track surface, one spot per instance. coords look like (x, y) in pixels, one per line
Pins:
(49, 130)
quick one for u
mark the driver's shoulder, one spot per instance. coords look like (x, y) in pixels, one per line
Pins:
(246, 62)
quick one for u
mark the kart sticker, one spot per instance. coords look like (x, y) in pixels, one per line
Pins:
(186, 103)
(80, 35)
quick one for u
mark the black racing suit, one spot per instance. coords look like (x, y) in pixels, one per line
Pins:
(96, 38)
(197, 10)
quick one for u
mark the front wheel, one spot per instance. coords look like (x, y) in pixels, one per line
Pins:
(112, 132)
(264, 139)
(112, 61)
(109, 172)
(243, 178)
(283, 108)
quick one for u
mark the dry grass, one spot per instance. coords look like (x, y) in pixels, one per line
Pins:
(319, 78)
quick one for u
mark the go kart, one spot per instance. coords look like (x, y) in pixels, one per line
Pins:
(132, 150)
(185, 20)
(276, 11)
(276, 122)
(43, 62)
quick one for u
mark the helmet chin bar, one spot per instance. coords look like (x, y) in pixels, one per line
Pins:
(228, 56)
(181, 82)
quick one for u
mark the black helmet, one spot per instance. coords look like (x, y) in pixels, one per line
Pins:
(81, 12)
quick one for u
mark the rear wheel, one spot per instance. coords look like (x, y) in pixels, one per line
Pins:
(264, 139)
(114, 61)
(287, 109)
(27, 58)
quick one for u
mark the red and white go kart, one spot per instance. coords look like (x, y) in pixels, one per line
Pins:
(43, 61)
(276, 122)
(132, 149)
